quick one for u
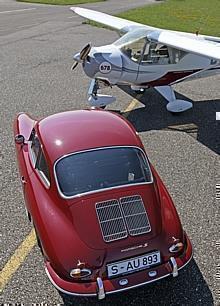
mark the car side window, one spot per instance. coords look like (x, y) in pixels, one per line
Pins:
(35, 147)
(38, 159)
(41, 165)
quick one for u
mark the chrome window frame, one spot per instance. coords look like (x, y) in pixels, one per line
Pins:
(102, 189)
(33, 160)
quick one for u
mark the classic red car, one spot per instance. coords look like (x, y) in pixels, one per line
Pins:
(103, 218)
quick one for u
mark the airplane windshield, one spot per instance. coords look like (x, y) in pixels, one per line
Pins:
(131, 37)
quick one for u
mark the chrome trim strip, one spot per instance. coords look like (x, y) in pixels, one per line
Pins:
(183, 266)
(138, 285)
(64, 291)
(33, 160)
(103, 189)
(114, 291)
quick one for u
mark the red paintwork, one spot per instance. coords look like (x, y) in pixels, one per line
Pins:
(69, 229)
(84, 129)
(173, 76)
(170, 77)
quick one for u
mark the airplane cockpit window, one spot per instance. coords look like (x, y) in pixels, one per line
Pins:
(135, 45)
(155, 54)
(160, 54)
(134, 50)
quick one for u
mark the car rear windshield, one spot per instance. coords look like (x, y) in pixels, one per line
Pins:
(98, 169)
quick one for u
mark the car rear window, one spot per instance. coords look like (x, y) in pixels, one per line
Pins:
(99, 169)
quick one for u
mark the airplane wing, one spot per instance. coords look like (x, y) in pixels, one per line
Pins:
(192, 44)
(200, 45)
(116, 23)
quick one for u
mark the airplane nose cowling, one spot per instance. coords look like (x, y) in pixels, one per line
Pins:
(104, 63)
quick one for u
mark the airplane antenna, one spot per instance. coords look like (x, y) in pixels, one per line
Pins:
(202, 24)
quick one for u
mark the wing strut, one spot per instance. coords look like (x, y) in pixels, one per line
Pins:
(174, 105)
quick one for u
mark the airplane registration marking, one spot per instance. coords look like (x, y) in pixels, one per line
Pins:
(105, 67)
(17, 259)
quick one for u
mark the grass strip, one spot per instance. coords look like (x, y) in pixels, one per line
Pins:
(180, 15)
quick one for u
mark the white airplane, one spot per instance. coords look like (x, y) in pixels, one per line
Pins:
(145, 57)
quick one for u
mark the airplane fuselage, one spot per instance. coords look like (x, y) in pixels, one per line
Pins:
(111, 64)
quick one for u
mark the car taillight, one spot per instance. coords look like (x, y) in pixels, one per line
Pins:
(80, 273)
(176, 247)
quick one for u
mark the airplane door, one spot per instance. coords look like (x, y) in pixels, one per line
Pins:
(130, 70)
(131, 56)
(154, 64)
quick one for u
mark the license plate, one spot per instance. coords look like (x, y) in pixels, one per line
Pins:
(133, 264)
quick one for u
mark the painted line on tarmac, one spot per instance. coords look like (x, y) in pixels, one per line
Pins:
(131, 106)
(17, 259)
(15, 11)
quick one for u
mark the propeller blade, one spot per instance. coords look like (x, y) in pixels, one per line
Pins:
(85, 51)
(74, 65)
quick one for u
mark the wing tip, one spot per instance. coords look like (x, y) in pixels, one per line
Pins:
(76, 9)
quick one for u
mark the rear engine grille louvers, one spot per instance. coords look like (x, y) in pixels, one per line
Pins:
(111, 220)
(117, 218)
(135, 215)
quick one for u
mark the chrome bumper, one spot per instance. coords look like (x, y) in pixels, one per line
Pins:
(100, 286)
(174, 266)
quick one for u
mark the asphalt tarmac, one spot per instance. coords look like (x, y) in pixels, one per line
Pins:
(36, 47)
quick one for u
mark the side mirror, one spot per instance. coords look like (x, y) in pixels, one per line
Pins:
(19, 139)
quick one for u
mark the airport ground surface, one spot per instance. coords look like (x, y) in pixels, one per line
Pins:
(36, 47)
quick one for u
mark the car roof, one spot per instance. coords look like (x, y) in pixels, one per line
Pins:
(80, 130)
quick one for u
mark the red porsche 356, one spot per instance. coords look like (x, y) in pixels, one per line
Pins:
(103, 218)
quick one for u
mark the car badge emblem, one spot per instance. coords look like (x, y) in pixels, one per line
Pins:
(135, 247)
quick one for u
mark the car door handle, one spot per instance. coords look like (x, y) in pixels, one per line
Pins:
(23, 180)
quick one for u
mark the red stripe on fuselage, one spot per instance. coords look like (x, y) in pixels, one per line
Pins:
(170, 77)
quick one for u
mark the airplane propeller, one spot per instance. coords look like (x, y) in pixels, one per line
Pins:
(81, 56)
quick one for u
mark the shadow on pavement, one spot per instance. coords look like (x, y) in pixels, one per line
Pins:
(189, 288)
(199, 122)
